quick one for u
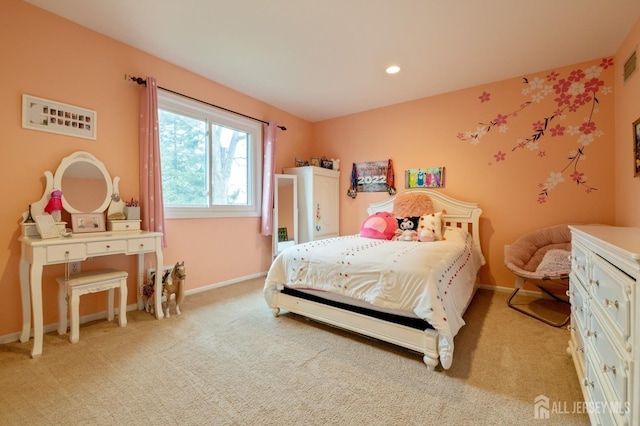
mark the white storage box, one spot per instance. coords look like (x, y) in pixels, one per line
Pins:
(30, 230)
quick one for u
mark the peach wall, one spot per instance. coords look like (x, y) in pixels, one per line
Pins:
(627, 111)
(59, 60)
(52, 58)
(424, 133)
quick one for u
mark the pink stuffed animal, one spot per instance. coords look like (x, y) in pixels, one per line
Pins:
(381, 225)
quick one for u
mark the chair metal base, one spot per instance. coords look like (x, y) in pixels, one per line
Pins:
(539, 318)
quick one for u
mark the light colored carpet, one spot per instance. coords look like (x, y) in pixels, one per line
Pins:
(227, 361)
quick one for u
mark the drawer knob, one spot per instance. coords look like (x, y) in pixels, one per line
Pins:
(612, 369)
(108, 246)
(608, 303)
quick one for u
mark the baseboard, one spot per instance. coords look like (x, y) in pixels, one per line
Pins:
(225, 283)
(49, 328)
(499, 289)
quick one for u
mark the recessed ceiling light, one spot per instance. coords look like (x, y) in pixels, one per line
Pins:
(393, 69)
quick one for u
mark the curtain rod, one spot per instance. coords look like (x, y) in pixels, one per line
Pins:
(142, 81)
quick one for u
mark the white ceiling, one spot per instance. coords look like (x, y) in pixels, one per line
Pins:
(320, 59)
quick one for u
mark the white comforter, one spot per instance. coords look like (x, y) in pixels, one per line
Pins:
(434, 280)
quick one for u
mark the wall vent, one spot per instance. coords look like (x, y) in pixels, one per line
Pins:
(630, 66)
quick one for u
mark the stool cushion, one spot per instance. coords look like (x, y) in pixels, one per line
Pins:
(92, 276)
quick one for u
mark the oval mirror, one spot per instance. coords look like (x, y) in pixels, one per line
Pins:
(85, 183)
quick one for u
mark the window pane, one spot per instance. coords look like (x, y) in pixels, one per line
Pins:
(183, 156)
(211, 160)
(230, 158)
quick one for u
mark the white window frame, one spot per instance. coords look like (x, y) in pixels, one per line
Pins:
(182, 105)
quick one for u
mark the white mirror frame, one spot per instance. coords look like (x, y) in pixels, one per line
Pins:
(83, 157)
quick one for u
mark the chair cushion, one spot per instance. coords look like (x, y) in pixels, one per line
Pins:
(527, 252)
(555, 263)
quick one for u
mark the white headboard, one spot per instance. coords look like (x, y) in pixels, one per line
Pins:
(460, 214)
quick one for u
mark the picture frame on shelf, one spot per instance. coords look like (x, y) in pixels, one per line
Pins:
(327, 164)
(301, 163)
(87, 222)
(315, 161)
(56, 117)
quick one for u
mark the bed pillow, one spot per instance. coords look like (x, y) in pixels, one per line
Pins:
(408, 223)
(381, 225)
(430, 224)
(408, 204)
(555, 262)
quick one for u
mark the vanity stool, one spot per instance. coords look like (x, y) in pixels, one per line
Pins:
(75, 285)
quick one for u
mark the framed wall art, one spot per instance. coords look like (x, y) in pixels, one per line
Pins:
(55, 117)
(371, 176)
(636, 147)
(87, 222)
(429, 177)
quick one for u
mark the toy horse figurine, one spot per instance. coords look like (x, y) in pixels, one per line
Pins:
(172, 283)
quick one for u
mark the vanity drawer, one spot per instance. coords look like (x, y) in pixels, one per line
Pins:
(67, 252)
(579, 263)
(106, 247)
(607, 359)
(123, 225)
(141, 245)
(610, 290)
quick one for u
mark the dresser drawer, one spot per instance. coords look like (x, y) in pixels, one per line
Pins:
(610, 290)
(68, 252)
(106, 247)
(607, 359)
(141, 245)
(597, 397)
(579, 263)
(578, 298)
(577, 345)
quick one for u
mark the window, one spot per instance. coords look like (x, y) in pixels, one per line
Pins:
(211, 160)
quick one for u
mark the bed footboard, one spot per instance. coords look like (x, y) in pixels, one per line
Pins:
(421, 341)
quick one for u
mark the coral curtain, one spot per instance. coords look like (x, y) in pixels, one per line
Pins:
(269, 149)
(151, 203)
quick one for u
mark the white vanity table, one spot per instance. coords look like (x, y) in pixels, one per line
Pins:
(37, 252)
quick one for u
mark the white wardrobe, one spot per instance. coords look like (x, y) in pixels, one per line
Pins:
(318, 202)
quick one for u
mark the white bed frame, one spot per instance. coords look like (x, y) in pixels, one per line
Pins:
(458, 213)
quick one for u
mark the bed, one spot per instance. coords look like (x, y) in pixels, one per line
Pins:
(408, 293)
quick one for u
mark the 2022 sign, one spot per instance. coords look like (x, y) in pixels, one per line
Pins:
(371, 176)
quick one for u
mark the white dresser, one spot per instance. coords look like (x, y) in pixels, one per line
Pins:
(605, 304)
(318, 202)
